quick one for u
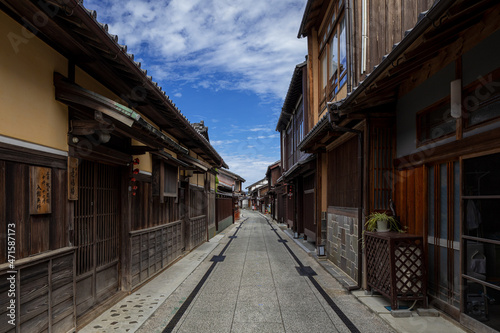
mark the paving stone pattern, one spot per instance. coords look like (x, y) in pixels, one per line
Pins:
(258, 288)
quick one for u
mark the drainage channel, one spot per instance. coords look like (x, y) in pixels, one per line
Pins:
(215, 259)
(310, 273)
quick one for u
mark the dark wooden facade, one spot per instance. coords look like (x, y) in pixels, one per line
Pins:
(298, 168)
(273, 176)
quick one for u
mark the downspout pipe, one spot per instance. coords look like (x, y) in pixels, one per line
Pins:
(349, 45)
(333, 117)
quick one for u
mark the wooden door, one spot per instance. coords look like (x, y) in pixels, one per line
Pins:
(309, 207)
(96, 222)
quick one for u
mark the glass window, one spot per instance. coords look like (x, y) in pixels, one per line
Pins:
(342, 46)
(484, 112)
(333, 55)
(334, 60)
(435, 122)
(482, 100)
(481, 234)
(444, 232)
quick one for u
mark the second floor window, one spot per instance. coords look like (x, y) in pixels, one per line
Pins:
(333, 55)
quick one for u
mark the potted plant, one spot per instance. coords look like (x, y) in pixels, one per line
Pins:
(382, 223)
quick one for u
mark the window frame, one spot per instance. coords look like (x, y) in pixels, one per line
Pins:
(334, 82)
(492, 97)
(439, 105)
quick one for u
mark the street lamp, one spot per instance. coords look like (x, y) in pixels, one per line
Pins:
(321, 250)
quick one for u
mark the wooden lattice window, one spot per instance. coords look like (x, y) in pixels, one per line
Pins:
(435, 122)
(343, 175)
(381, 165)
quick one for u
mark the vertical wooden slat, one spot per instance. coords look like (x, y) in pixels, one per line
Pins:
(419, 201)
(3, 213)
(450, 234)
(18, 209)
(410, 199)
(437, 222)
(403, 181)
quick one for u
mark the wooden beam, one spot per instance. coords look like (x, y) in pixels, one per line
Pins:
(88, 127)
(141, 150)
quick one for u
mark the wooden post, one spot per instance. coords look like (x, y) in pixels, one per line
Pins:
(207, 202)
(186, 220)
(317, 198)
(126, 227)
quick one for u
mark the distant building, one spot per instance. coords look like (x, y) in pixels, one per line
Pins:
(256, 193)
(275, 197)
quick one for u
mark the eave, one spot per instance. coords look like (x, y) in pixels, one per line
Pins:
(292, 96)
(310, 17)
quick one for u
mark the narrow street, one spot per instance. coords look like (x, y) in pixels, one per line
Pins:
(256, 281)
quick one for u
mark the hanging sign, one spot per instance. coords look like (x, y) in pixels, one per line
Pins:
(72, 178)
(40, 190)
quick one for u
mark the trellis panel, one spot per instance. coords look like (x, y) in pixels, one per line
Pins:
(396, 266)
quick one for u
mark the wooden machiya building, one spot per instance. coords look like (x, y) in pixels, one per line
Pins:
(298, 168)
(256, 193)
(103, 182)
(422, 129)
(229, 192)
(276, 189)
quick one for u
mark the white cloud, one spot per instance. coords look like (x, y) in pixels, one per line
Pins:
(263, 137)
(251, 42)
(250, 168)
(179, 95)
(217, 143)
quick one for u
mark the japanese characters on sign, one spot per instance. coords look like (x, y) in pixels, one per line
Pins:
(40, 190)
(72, 178)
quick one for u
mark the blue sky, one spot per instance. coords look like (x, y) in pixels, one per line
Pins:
(227, 62)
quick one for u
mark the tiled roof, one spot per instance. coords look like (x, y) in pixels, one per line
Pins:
(293, 94)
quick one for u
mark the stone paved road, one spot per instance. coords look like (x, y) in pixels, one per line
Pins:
(258, 288)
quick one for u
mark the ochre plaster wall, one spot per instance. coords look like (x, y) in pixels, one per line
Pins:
(88, 82)
(28, 110)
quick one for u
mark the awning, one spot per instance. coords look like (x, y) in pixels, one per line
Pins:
(127, 121)
(298, 167)
(170, 159)
(199, 165)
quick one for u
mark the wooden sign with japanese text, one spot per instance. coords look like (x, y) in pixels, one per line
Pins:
(72, 178)
(40, 190)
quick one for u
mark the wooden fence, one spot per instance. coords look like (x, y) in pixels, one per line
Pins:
(155, 248)
(44, 293)
(197, 230)
(224, 208)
